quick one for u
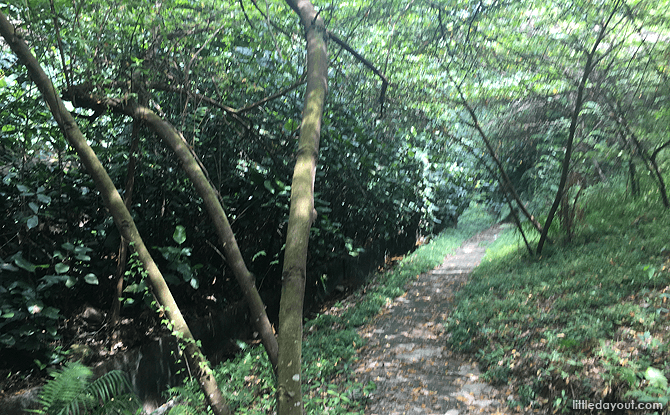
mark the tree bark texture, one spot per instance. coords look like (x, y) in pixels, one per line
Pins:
(120, 214)
(301, 213)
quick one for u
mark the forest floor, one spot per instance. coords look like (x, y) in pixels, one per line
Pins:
(406, 355)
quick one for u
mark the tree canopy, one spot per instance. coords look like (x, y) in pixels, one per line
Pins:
(260, 145)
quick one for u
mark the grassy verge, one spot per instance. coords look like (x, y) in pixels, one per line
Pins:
(331, 341)
(588, 320)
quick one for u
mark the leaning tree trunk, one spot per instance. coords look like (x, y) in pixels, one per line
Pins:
(500, 180)
(245, 279)
(121, 215)
(634, 185)
(507, 185)
(301, 213)
(169, 134)
(650, 162)
(565, 165)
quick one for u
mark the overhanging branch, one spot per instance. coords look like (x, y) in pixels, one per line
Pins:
(226, 108)
(344, 45)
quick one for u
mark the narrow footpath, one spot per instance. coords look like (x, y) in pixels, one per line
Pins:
(406, 353)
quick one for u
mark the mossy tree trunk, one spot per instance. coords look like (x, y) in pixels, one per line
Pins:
(301, 213)
(120, 214)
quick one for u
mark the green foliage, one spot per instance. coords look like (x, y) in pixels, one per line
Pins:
(136, 282)
(655, 390)
(587, 318)
(182, 410)
(385, 181)
(71, 392)
(386, 173)
(177, 261)
(26, 322)
(332, 340)
(29, 316)
(46, 257)
(246, 381)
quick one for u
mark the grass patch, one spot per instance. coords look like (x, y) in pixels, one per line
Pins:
(588, 320)
(331, 341)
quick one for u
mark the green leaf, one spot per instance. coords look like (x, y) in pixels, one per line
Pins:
(81, 249)
(43, 198)
(291, 124)
(90, 278)
(258, 254)
(34, 207)
(132, 288)
(32, 221)
(82, 257)
(184, 269)
(68, 246)
(51, 312)
(656, 378)
(62, 268)
(52, 330)
(39, 364)
(650, 272)
(8, 340)
(268, 185)
(171, 279)
(6, 266)
(179, 234)
(23, 263)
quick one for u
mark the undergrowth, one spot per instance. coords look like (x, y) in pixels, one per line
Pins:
(331, 341)
(588, 320)
(71, 392)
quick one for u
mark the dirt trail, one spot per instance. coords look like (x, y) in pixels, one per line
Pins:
(406, 354)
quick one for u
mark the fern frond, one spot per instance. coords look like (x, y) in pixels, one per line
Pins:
(70, 391)
(64, 392)
(109, 385)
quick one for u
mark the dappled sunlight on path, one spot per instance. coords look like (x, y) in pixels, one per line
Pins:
(406, 354)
